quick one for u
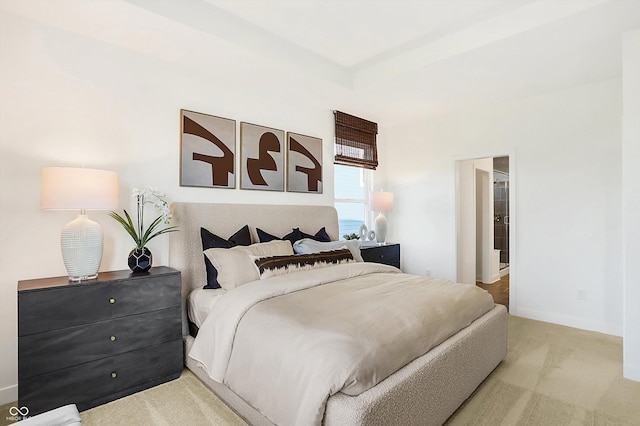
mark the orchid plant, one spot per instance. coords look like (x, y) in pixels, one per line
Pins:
(141, 236)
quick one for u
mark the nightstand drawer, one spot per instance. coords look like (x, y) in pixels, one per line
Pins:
(387, 254)
(54, 350)
(94, 380)
(73, 305)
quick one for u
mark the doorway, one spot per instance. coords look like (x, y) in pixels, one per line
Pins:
(484, 199)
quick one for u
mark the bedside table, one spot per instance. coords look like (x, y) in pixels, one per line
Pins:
(92, 342)
(389, 254)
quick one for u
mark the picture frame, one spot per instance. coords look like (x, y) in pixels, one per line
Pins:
(262, 153)
(304, 164)
(207, 150)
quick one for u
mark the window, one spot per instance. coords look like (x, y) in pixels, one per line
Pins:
(356, 156)
(352, 186)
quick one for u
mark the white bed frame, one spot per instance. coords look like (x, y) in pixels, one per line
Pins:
(424, 392)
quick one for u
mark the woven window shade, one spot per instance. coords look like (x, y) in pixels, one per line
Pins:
(355, 141)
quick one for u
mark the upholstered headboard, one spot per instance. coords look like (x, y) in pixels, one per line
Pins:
(185, 246)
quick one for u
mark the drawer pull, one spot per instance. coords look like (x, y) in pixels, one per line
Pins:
(114, 375)
(113, 338)
(112, 300)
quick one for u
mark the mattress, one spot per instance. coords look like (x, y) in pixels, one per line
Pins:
(201, 302)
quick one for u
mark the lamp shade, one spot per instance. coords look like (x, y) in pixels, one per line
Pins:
(381, 201)
(71, 188)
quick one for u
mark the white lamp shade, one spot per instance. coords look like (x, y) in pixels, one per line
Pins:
(381, 201)
(71, 188)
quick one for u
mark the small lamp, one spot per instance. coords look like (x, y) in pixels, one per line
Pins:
(381, 202)
(69, 188)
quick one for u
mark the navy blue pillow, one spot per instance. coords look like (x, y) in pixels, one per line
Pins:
(209, 240)
(321, 236)
(294, 236)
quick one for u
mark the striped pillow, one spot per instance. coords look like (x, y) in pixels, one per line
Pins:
(280, 265)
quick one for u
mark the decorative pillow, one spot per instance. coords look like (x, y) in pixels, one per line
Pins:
(234, 265)
(273, 266)
(321, 235)
(294, 236)
(210, 240)
(307, 246)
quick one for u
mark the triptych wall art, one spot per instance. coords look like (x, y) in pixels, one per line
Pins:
(262, 159)
(304, 169)
(208, 156)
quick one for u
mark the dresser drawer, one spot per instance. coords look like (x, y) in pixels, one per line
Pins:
(68, 306)
(387, 254)
(49, 351)
(99, 379)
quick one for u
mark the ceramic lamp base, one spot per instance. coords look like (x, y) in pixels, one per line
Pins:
(381, 228)
(81, 243)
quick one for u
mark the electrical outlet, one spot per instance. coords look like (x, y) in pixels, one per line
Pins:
(427, 273)
(581, 294)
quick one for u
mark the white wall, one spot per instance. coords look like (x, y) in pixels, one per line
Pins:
(631, 202)
(564, 149)
(69, 99)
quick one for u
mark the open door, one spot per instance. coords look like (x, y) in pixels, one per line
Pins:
(487, 270)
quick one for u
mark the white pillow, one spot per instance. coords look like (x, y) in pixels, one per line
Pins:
(307, 246)
(234, 265)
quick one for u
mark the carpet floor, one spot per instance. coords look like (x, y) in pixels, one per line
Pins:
(552, 375)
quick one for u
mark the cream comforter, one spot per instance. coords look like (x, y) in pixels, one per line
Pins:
(287, 343)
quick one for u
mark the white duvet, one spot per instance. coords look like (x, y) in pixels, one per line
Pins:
(285, 344)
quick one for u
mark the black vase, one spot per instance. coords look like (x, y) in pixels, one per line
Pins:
(140, 259)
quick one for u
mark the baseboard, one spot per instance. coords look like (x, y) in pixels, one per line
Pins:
(8, 394)
(493, 279)
(570, 321)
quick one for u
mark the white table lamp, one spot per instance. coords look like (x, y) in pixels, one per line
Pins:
(69, 188)
(381, 201)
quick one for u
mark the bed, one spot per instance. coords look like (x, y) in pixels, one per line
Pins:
(425, 391)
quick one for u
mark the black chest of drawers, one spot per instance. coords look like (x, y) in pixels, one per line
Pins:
(389, 254)
(92, 342)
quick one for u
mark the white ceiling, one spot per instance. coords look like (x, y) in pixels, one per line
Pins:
(406, 57)
(431, 55)
(353, 33)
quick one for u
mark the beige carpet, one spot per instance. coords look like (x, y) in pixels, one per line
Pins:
(552, 375)
(185, 401)
(555, 375)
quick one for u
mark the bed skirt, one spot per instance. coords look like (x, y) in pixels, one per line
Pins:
(424, 392)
